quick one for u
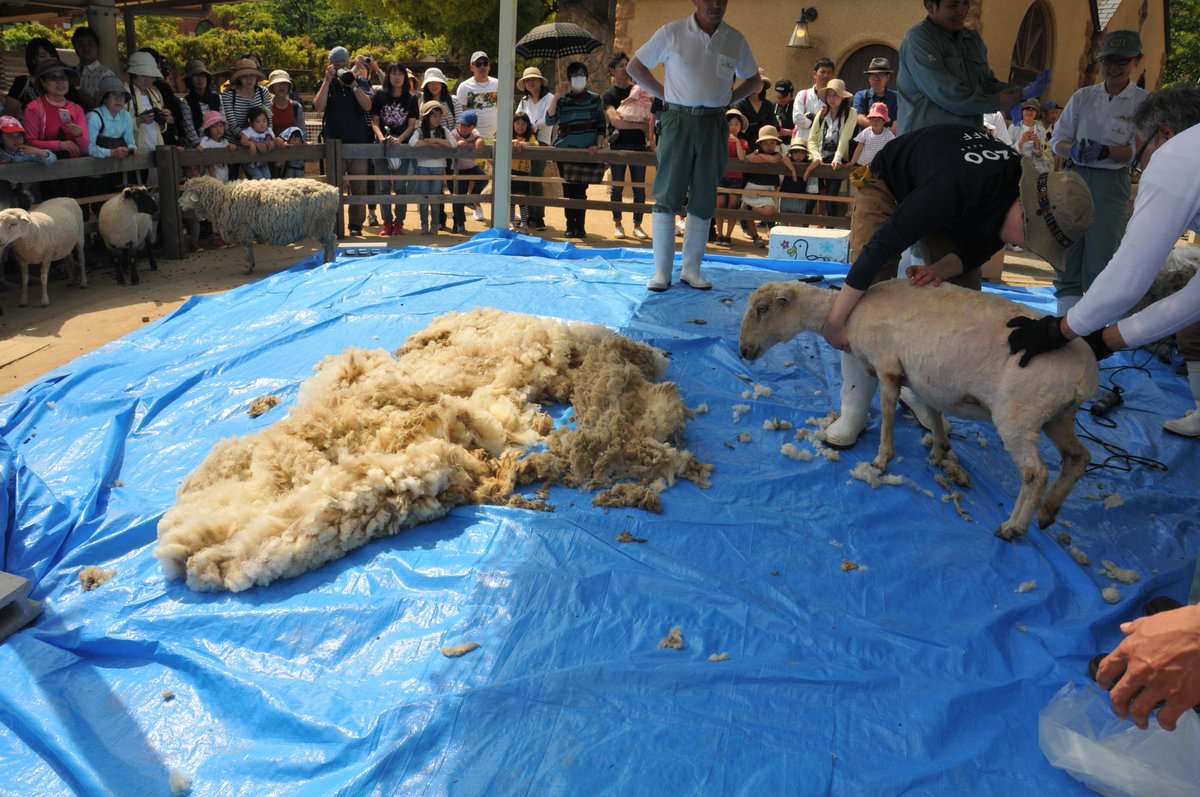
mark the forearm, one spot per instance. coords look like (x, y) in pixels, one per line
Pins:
(645, 78)
(747, 87)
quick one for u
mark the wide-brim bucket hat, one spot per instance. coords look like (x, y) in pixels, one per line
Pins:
(433, 75)
(1058, 211)
(141, 63)
(530, 72)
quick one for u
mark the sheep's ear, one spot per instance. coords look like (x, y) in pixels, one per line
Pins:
(783, 301)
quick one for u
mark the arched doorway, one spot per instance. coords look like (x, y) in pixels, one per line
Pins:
(1034, 48)
(853, 67)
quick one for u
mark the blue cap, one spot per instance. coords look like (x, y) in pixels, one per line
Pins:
(339, 55)
(469, 118)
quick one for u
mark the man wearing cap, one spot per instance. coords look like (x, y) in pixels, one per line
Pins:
(345, 101)
(701, 57)
(879, 74)
(785, 95)
(965, 195)
(481, 94)
(944, 72)
(1095, 134)
(87, 46)
(810, 101)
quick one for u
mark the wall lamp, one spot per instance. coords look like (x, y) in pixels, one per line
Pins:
(800, 37)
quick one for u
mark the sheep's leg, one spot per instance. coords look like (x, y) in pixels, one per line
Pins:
(1022, 445)
(122, 265)
(150, 253)
(249, 258)
(24, 285)
(330, 248)
(80, 264)
(889, 393)
(45, 281)
(1075, 459)
(134, 279)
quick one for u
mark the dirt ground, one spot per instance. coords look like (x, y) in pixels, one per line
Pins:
(35, 340)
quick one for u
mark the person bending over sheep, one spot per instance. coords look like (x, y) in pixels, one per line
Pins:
(962, 195)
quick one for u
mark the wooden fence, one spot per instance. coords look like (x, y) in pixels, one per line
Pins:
(168, 166)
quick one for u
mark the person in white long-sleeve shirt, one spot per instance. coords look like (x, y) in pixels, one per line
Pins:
(809, 102)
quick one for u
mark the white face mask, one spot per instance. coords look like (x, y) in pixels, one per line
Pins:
(579, 82)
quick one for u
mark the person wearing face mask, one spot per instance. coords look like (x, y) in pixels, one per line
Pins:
(701, 57)
(1095, 135)
(579, 116)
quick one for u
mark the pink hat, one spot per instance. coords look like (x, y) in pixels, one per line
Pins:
(10, 124)
(880, 111)
(211, 118)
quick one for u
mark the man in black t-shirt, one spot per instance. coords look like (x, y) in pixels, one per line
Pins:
(345, 100)
(785, 95)
(630, 136)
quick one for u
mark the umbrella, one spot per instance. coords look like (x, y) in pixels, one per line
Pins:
(556, 40)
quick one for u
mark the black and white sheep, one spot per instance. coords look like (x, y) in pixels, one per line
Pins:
(950, 345)
(46, 233)
(274, 212)
(126, 222)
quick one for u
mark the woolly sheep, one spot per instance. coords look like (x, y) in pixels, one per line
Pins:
(46, 233)
(126, 222)
(274, 212)
(950, 345)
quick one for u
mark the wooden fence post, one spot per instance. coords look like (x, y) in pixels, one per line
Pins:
(170, 220)
(333, 174)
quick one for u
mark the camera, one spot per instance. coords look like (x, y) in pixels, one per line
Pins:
(159, 117)
(366, 59)
(346, 76)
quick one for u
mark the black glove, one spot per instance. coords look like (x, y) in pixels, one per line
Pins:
(1035, 336)
(1099, 347)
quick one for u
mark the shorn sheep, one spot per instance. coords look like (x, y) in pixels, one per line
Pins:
(276, 212)
(127, 222)
(46, 233)
(950, 345)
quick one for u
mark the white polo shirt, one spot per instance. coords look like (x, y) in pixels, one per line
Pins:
(700, 69)
(1092, 114)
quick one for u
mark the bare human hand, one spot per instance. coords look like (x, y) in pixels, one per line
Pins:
(1158, 662)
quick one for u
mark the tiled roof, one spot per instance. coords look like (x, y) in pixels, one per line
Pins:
(1105, 10)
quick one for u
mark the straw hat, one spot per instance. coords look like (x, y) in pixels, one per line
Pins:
(739, 115)
(245, 67)
(141, 63)
(279, 76)
(530, 71)
(434, 75)
(838, 85)
(1058, 211)
(768, 133)
(429, 106)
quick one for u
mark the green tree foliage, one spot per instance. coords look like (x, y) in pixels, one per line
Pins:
(15, 37)
(1183, 59)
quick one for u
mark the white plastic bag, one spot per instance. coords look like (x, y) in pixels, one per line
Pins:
(1079, 733)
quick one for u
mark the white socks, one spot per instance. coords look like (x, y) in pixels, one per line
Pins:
(695, 240)
(663, 234)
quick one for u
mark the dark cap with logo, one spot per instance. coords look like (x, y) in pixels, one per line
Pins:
(1122, 44)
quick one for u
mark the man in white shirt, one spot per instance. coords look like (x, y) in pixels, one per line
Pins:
(701, 56)
(91, 71)
(1096, 135)
(480, 94)
(808, 102)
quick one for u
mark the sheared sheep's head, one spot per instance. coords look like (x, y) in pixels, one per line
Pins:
(14, 223)
(142, 199)
(780, 311)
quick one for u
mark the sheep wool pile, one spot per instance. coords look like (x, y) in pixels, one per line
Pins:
(377, 444)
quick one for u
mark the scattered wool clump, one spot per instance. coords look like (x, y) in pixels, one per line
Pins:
(836, 544)
(788, 363)
(1079, 556)
(1064, 538)
(762, 391)
(1121, 574)
(831, 454)
(869, 474)
(521, 502)
(717, 658)
(746, 394)
(626, 494)
(379, 443)
(673, 640)
(739, 410)
(1027, 586)
(1113, 501)
(628, 537)
(455, 651)
(981, 440)
(848, 566)
(1067, 523)
(92, 577)
(744, 437)
(776, 425)
(790, 451)
(262, 404)
(701, 410)
(179, 782)
(1111, 595)
(168, 696)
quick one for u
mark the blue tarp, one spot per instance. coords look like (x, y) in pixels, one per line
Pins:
(922, 672)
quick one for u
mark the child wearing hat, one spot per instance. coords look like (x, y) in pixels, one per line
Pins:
(431, 138)
(873, 138)
(13, 148)
(732, 180)
(212, 136)
(797, 153)
(293, 137)
(759, 185)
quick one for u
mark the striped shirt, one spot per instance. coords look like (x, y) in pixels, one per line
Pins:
(235, 107)
(580, 119)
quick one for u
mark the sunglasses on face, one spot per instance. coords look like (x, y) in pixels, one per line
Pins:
(1115, 60)
(482, 62)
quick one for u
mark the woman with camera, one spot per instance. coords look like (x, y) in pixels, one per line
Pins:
(146, 102)
(394, 114)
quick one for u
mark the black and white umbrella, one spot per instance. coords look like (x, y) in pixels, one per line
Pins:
(556, 40)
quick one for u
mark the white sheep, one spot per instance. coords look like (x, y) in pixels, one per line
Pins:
(126, 222)
(950, 345)
(46, 233)
(274, 212)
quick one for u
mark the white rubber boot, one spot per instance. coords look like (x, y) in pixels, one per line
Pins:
(662, 226)
(1189, 425)
(1065, 303)
(663, 240)
(695, 240)
(857, 391)
(917, 406)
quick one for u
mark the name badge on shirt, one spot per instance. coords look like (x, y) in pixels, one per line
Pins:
(726, 67)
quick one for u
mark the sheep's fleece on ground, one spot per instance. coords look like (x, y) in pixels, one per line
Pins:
(377, 444)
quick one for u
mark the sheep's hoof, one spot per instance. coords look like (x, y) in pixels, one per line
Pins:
(1046, 518)
(249, 270)
(1009, 533)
